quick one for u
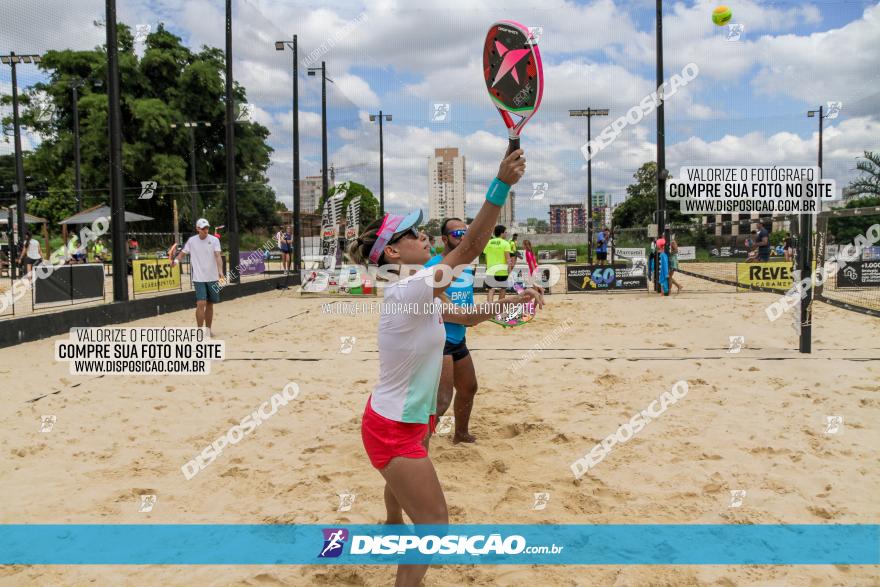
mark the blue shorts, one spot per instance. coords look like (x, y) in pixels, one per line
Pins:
(207, 290)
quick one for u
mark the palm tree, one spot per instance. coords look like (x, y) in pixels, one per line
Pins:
(868, 184)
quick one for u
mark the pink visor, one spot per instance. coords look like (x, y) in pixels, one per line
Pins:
(392, 224)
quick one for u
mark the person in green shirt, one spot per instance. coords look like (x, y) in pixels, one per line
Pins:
(497, 253)
(99, 250)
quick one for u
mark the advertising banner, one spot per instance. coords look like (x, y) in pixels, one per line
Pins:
(737, 252)
(584, 278)
(859, 274)
(148, 275)
(629, 252)
(251, 263)
(772, 275)
(687, 253)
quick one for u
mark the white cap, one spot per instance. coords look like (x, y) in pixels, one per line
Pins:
(202, 223)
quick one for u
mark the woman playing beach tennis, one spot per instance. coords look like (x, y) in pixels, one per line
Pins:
(401, 408)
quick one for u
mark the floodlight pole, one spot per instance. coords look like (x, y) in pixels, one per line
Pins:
(12, 60)
(297, 218)
(387, 117)
(312, 71)
(589, 113)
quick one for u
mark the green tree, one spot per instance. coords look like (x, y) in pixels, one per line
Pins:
(432, 227)
(844, 230)
(641, 202)
(351, 189)
(169, 84)
(868, 184)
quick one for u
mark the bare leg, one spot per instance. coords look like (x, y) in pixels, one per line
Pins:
(209, 314)
(444, 389)
(415, 486)
(200, 312)
(465, 390)
(394, 513)
(675, 283)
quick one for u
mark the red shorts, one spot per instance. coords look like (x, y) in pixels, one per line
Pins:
(385, 439)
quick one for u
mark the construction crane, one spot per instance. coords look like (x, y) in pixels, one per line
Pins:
(333, 169)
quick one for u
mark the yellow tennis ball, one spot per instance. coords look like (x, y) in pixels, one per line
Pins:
(721, 15)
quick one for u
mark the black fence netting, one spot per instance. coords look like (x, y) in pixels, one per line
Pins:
(848, 254)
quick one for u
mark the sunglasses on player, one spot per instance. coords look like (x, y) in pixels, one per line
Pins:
(412, 231)
(457, 233)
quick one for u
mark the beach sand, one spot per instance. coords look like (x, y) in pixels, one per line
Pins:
(754, 420)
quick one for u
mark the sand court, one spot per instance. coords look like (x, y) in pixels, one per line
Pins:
(754, 421)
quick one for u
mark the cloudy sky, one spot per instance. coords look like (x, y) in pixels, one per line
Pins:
(746, 107)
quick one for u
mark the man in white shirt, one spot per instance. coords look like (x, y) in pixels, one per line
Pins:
(31, 253)
(207, 271)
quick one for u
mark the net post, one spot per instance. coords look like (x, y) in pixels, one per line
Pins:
(805, 242)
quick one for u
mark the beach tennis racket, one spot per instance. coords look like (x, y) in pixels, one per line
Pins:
(172, 252)
(513, 75)
(517, 315)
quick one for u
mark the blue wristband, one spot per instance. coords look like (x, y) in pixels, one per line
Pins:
(497, 193)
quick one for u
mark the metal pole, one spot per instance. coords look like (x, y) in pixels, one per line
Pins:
(805, 266)
(661, 151)
(76, 151)
(589, 192)
(381, 170)
(297, 218)
(19, 158)
(324, 185)
(193, 190)
(821, 116)
(231, 204)
(117, 200)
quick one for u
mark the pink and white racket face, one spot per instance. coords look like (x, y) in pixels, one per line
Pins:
(513, 72)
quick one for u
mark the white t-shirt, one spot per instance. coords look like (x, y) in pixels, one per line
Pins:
(411, 338)
(33, 249)
(201, 256)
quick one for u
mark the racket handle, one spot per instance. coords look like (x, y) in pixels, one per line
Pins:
(513, 145)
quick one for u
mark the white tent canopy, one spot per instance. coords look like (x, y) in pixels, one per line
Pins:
(28, 218)
(92, 214)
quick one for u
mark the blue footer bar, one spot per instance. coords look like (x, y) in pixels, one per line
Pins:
(626, 544)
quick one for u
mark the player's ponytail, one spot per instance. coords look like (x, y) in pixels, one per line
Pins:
(359, 249)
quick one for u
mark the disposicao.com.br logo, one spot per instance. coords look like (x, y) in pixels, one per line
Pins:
(334, 542)
(429, 544)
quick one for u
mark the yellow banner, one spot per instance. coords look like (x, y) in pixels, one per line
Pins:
(772, 275)
(154, 275)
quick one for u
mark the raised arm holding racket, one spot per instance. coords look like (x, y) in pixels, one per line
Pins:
(515, 80)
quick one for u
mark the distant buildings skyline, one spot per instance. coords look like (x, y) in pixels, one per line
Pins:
(447, 178)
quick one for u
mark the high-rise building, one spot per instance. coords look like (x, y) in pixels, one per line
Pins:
(508, 210)
(310, 193)
(600, 200)
(446, 184)
(568, 218)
